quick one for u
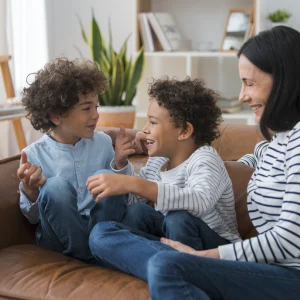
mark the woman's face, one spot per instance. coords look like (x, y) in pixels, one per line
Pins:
(256, 86)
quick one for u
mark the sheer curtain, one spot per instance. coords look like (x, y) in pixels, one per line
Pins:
(27, 38)
(26, 30)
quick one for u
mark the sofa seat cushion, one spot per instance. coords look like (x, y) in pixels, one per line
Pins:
(30, 272)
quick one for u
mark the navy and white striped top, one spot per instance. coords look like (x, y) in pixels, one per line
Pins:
(200, 185)
(273, 204)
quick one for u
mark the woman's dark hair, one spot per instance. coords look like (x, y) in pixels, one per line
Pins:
(189, 101)
(56, 88)
(277, 52)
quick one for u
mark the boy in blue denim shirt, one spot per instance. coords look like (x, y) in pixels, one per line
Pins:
(62, 103)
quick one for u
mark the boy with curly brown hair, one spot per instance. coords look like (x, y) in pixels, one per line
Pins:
(184, 178)
(62, 102)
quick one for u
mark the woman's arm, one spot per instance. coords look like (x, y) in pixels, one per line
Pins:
(252, 160)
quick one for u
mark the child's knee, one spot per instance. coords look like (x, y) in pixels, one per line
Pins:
(160, 263)
(177, 218)
(57, 190)
(99, 231)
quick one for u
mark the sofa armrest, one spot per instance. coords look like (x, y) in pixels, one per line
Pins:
(14, 227)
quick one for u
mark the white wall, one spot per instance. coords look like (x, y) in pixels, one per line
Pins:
(265, 7)
(64, 30)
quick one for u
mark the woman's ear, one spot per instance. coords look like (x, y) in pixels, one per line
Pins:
(55, 119)
(187, 132)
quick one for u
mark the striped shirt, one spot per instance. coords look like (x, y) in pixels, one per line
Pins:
(273, 204)
(200, 185)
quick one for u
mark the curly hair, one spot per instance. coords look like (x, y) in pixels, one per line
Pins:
(56, 88)
(189, 101)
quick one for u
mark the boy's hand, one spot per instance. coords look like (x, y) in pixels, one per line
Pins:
(123, 148)
(31, 177)
(139, 143)
(105, 185)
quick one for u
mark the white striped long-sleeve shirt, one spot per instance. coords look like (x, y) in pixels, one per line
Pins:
(201, 186)
(251, 160)
(273, 206)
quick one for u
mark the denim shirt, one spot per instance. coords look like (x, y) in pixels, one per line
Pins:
(74, 163)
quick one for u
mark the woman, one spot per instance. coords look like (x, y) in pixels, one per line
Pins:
(266, 266)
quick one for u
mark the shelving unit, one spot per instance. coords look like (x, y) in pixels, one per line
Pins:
(202, 21)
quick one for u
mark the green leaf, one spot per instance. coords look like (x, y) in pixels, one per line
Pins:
(127, 74)
(83, 31)
(96, 38)
(117, 82)
(110, 52)
(104, 99)
(134, 77)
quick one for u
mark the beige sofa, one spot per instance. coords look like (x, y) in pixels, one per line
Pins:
(29, 272)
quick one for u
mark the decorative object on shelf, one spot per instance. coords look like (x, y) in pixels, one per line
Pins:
(229, 105)
(279, 17)
(123, 73)
(239, 28)
(166, 31)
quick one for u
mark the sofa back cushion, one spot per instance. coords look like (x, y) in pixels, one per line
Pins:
(240, 175)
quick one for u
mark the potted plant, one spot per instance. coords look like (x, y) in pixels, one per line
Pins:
(115, 105)
(279, 17)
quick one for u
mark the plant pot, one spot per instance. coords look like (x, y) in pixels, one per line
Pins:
(279, 24)
(116, 116)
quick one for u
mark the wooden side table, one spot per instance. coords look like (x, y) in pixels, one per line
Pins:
(10, 93)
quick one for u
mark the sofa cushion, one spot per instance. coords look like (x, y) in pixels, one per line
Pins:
(30, 272)
(240, 175)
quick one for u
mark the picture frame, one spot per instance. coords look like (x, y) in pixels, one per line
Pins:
(239, 27)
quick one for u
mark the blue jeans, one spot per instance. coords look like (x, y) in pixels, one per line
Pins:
(178, 225)
(62, 228)
(175, 275)
(124, 248)
(133, 247)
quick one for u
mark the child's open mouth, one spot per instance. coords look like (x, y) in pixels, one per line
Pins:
(150, 143)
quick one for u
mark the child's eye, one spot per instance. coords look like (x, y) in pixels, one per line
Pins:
(87, 108)
(153, 123)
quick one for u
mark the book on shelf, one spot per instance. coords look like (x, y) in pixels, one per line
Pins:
(145, 31)
(166, 30)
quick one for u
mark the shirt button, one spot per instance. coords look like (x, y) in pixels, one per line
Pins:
(73, 150)
(78, 166)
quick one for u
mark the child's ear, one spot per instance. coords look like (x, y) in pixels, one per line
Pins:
(186, 132)
(55, 119)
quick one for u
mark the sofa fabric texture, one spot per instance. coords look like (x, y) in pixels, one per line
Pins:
(30, 272)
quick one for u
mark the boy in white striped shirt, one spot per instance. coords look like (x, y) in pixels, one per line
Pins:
(184, 177)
